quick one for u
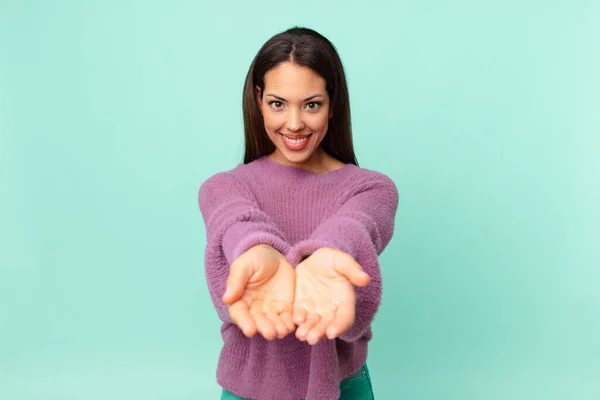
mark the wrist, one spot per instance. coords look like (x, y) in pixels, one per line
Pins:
(263, 246)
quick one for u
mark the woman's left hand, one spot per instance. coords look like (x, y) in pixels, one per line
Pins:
(325, 301)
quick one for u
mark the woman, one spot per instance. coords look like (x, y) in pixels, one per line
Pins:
(294, 233)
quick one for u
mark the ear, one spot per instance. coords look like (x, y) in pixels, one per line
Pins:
(259, 98)
(330, 112)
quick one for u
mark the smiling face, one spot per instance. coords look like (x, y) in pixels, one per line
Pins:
(296, 111)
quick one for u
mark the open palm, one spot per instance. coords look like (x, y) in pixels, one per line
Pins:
(260, 293)
(325, 300)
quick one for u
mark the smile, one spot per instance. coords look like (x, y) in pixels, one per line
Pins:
(295, 143)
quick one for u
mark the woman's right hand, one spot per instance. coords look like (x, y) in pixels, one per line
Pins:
(260, 292)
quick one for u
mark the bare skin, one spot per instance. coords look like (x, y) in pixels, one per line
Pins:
(266, 295)
(286, 112)
(325, 300)
(260, 293)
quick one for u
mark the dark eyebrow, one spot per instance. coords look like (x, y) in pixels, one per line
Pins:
(306, 99)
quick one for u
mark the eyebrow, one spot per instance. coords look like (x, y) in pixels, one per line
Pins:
(306, 99)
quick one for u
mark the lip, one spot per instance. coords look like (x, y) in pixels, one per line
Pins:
(295, 146)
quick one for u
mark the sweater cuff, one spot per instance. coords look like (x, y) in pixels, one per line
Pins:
(234, 248)
(305, 248)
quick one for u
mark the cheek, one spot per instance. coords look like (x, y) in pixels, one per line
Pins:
(320, 124)
(272, 122)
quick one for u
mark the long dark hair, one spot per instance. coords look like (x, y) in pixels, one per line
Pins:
(308, 48)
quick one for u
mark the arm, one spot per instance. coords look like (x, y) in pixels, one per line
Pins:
(234, 224)
(362, 227)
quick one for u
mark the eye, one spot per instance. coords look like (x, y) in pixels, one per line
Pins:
(316, 105)
(275, 104)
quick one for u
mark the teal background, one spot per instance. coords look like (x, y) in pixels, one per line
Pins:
(486, 115)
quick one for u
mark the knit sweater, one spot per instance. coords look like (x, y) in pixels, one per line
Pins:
(296, 211)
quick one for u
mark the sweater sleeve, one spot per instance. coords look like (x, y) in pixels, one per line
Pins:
(234, 223)
(362, 227)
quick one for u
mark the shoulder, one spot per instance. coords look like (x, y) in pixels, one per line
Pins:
(369, 185)
(232, 180)
(219, 178)
(220, 182)
(364, 177)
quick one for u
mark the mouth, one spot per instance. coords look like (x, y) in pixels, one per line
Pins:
(295, 142)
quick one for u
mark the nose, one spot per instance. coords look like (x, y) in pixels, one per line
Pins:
(294, 122)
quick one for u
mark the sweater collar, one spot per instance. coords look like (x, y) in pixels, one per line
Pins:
(297, 172)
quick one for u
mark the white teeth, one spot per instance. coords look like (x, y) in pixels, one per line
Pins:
(295, 141)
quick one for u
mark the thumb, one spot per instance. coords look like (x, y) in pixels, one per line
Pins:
(239, 274)
(355, 274)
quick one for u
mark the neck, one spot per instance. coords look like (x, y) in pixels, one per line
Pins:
(319, 162)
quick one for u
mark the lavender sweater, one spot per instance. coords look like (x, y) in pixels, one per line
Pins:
(296, 211)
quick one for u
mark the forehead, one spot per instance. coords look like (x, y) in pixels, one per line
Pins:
(290, 79)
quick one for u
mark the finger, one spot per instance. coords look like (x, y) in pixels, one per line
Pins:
(318, 331)
(240, 316)
(286, 317)
(264, 326)
(280, 327)
(344, 319)
(299, 315)
(239, 274)
(355, 274)
(283, 310)
(311, 320)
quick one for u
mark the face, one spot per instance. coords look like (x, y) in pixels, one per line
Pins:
(296, 110)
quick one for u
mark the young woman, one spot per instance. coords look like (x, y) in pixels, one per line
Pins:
(294, 233)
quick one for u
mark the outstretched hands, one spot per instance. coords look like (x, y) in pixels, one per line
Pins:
(266, 295)
(325, 301)
(260, 292)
